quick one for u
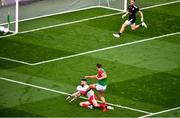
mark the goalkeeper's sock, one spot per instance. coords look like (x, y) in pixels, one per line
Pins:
(141, 25)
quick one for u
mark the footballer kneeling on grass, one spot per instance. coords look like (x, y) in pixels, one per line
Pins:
(92, 99)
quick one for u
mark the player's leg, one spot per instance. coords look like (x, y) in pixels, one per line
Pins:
(135, 27)
(92, 86)
(124, 25)
(101, 90)
(94, 102)
(101, 96)
(86, 104)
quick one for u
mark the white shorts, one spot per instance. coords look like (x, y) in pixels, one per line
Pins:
(100, 87)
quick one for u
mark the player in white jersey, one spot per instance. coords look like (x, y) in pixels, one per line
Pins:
(92, 99)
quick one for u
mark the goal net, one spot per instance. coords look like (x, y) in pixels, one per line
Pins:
(8, 16)
(15, 11)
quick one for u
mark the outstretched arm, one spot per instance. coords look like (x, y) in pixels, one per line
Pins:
(73, 96)
(125, 15)
(76, 94)
(91, 77)
(142, 16)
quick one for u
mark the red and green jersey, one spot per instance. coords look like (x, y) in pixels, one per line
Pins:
(102, 82)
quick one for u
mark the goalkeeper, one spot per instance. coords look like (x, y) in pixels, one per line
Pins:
(132, 10)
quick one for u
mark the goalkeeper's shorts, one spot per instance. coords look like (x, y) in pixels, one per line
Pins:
(130, 21)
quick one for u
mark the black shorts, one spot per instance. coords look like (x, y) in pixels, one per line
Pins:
(132, 21)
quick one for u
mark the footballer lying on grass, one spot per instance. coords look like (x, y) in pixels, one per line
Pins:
(92, 99)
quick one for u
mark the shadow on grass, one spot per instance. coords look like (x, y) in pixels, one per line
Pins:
(160, 89)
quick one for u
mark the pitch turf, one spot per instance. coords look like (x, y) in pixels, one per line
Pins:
(144, 76)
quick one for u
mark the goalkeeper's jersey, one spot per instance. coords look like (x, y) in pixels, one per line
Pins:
(102, 82)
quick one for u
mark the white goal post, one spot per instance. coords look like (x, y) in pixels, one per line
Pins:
(15, 11)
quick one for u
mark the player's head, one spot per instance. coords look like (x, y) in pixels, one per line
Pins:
(132, 2)
(98, 66)
(83, 82)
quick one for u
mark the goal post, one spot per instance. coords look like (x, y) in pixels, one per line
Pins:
(17, 17)
(14, 11)
(9, 16)
(119, 5)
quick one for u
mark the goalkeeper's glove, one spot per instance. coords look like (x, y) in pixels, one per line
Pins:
(142, 19)
(123, 16)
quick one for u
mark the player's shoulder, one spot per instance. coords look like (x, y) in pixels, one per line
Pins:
(82, 88)
(135, 6)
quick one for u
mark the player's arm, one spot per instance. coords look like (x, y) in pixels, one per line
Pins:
(73, 96)
(142, 16)
(91, 77)
(104, 75)
(76, 94)
(124, 15)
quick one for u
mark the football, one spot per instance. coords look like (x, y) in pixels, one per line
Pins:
(6, 30)
(1, 28)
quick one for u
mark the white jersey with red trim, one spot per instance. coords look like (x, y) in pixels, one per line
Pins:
(83, 91)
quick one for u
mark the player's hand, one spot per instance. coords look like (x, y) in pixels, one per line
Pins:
(97, 77)
(142, 19)
(123, 16)
(86, 77)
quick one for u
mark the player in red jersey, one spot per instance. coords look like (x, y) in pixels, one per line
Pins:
(102, 82)
(92, 99)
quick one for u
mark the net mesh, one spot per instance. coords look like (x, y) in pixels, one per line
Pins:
(37, 8)
(7, 9)
(32, 9)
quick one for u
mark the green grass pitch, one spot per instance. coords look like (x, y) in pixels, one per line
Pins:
(143, 76)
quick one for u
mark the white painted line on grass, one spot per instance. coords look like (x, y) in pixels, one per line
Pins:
(156, 113)
(158, 5)
(92, 51)
(7, 35)
(17, 61)
(96, 17)
(70, 23)
(92, 18)
(64, 93)
(107, 48)
(53, 14)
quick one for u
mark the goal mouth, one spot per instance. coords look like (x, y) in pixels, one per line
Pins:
(14, 11)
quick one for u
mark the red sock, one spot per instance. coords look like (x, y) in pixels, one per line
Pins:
(85, 105)
(101, 105)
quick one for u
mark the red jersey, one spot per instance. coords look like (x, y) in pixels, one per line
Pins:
(100, 72)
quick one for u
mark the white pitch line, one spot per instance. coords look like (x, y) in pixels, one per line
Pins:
(163, 4)
(92, 51)
(7, 35)
(107, 48)
(17, 61)
(152, 114)
(53, 14)
(64, 93)
(92, 19)
(70, 23)
(96, 17)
